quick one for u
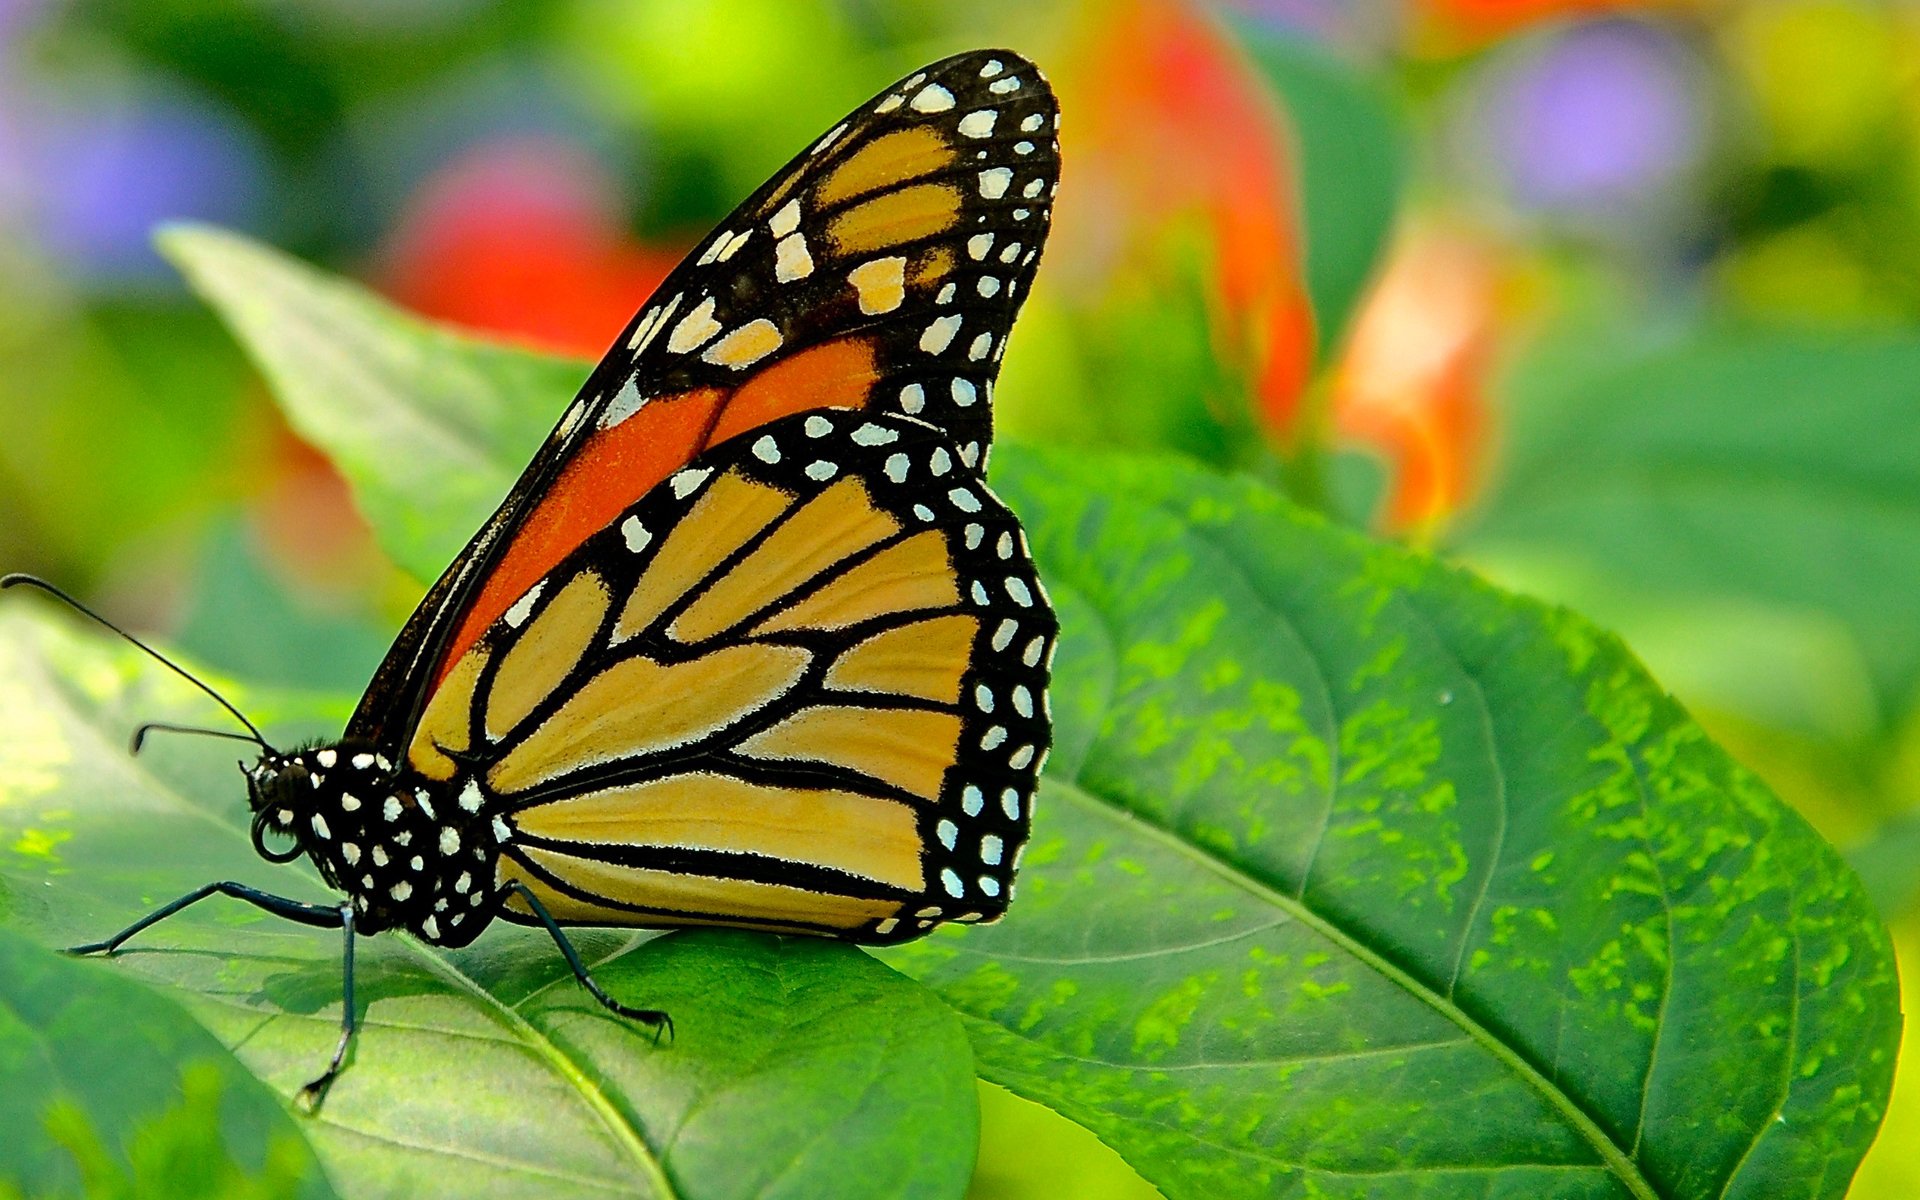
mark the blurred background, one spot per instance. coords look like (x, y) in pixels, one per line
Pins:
(1618, 303)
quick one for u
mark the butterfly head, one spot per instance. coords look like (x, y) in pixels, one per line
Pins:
(301, 795)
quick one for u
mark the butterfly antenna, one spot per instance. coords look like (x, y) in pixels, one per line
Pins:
(18, 580)
(140, 734)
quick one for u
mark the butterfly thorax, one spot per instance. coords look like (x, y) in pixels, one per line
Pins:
(407, 854)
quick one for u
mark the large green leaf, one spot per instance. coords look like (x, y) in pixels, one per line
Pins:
(799, 1067)
(1354, 876)
(425, 422)
(1758, 470)
(110, 1090)
(1358, 877)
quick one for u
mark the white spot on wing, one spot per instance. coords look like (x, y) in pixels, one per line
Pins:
(694, 330)
(790, 258)
(874, 435)
(626, 402)
(684, 482)
(745, 346)
(994, 183)
(651, 324)
(766, 449)
(932, 99)
(978, 245)
(833, 135)
(979, 124)
(638, 538)
(786, 220)
(523, 607)
(940, 334)
(964, 393)
(1002, 86)
(913, 398)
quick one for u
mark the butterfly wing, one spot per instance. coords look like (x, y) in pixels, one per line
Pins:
(800, 685)
(881, 270)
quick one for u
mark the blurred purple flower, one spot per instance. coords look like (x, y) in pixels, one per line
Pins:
(95, 174)
(1593, 116)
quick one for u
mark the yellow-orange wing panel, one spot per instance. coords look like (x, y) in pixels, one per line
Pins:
(799, 685)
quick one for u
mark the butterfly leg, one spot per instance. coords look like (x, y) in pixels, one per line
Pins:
(325, 916)
(661, 1022)
(311, 1095)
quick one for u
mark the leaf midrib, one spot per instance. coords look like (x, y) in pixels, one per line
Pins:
(1611, 1154)
(530, 1037)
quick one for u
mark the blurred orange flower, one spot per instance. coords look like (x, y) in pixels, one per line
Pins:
(1166, 122)
(1413, 382)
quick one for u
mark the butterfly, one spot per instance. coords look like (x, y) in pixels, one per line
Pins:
(750, 642)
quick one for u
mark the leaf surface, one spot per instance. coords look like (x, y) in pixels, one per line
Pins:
(482, 1072)
(111, 1089)
(1760, 469)
(1361, 878)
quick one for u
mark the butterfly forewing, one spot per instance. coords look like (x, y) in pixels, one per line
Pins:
(800, 685)
(880, 270)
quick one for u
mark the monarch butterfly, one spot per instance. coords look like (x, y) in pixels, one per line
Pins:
(750, 642)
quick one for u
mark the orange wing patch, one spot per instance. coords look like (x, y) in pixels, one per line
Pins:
(836, 374)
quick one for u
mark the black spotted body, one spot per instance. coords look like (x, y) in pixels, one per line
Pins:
(406, 853)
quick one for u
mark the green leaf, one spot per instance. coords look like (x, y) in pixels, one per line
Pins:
(1781, 471)
(1357, 877)
(1350, 148)
(799, 1068)
(1354, 876)
(429, 426)
(110, 1090)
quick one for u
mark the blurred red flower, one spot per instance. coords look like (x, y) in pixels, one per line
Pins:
(522, 237)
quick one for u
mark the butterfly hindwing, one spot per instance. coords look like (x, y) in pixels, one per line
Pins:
(801, 685)
(881, 269)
